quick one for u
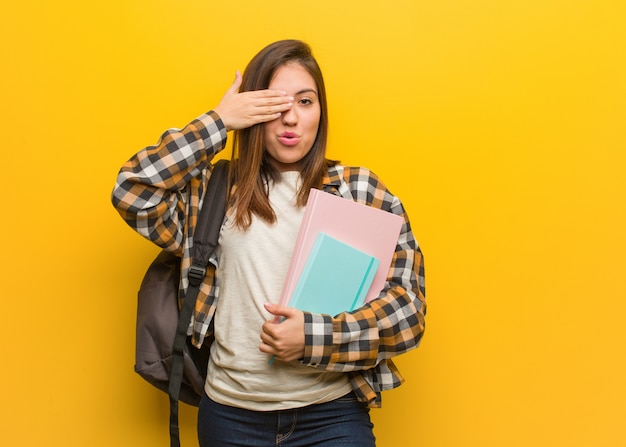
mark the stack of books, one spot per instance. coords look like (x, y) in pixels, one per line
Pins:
(342, 255)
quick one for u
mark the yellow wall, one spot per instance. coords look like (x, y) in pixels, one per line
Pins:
(501, 124)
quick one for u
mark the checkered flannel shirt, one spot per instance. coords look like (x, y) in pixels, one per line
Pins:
(159, 192)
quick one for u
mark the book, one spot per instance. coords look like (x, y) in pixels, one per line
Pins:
(363, 227)
(335, 278)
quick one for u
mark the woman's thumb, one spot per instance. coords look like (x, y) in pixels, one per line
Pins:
(277, 310)
(234, 88)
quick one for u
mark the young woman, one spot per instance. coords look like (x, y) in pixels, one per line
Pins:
(328, 370)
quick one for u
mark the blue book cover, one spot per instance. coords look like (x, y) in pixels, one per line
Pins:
(335, 278)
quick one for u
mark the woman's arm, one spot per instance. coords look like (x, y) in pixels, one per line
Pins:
(155, 186)
(152, 188)
(387, 326)
(390, 325)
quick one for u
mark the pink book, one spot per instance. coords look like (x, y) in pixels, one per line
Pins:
(363, 227)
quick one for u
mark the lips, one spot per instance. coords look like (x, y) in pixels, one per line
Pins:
(289, 138)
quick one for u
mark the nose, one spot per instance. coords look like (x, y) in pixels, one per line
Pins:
(290, 117)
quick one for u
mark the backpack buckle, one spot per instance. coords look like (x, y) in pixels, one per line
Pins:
(196, 274)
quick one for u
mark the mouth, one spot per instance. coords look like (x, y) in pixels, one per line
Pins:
(289, 138)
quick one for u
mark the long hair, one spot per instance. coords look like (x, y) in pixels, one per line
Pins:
(251, 168)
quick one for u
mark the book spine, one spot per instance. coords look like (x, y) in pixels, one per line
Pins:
(290, 279)
(366, 282)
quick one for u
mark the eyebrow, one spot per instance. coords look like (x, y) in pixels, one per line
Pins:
(306, 90)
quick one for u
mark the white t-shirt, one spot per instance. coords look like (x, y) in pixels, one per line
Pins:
(253, 266)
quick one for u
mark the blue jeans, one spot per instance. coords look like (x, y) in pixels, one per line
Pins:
(343, 422)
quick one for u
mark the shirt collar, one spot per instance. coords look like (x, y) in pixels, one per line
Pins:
(331, 179)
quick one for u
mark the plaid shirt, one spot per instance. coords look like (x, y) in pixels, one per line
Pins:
(159, 192)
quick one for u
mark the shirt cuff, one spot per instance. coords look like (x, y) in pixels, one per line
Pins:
(215, 118)
(212, 130)
(318, 339)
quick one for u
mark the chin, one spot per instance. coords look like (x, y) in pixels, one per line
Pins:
(288, 160)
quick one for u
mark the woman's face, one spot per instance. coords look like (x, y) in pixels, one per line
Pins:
(289, 138)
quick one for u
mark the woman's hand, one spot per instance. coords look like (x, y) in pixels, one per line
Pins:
(242, 110)
(283, 336)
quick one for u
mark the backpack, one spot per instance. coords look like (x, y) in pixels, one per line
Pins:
(164, 355)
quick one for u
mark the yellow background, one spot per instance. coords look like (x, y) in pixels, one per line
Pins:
(501, 125)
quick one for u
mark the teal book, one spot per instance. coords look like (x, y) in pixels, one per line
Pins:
(335, 278)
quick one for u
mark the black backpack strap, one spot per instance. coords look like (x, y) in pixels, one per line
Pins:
(210, 221)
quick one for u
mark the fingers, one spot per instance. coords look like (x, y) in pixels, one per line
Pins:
(234, 88)
(267, 102)
(264, 97)
(268, 340)
(268, 95)
(245, 109)
(268, 109)
(269, 344)
(283, 338)
(281, 349)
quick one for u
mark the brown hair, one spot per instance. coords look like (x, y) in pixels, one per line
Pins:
(251, 167)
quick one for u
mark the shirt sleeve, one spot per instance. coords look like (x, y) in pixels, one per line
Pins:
(387, 326)
(155, 186)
